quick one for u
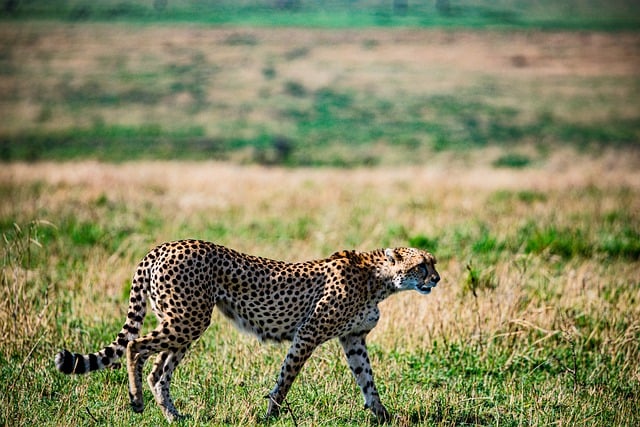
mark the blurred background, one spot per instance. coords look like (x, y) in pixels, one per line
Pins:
(316, 83)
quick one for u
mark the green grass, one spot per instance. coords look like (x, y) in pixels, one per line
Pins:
(320, 122)
(112, 143)
(535, 321)
(512, 160)
(343, 14)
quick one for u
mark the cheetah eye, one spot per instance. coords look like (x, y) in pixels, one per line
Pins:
(421, 269)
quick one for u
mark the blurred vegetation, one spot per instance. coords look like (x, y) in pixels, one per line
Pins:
(162, 91)
(320, 124)
(575, 14)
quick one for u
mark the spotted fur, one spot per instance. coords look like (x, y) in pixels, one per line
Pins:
(307, 303)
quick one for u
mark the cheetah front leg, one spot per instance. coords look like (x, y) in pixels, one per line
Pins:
(297, 355)
(356, 351)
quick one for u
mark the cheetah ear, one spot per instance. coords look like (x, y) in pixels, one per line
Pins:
(392, 256)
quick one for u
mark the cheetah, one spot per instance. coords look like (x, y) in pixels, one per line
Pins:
(306, 303)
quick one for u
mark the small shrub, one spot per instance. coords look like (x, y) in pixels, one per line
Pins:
(272, 150)
(299, 52)
(296, 89)
(241, 39)
(529, 196)
(512, 160)
(421, 241)
(269, 72)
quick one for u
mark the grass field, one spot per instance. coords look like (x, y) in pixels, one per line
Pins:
(299, 97)
(502, 136)
(536, 320)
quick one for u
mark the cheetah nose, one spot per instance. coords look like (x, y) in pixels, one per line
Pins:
(435, 278)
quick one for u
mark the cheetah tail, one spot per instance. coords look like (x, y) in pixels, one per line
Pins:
(76, 363)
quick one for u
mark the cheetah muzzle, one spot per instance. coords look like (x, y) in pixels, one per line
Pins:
(306, 303)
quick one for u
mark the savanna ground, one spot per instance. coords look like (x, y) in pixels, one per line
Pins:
(543, 328)
(512, 154)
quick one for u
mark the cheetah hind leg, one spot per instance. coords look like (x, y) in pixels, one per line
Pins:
(138, 351)
(135, 363)
(160, 380)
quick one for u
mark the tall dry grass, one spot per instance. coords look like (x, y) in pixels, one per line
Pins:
(353, 208)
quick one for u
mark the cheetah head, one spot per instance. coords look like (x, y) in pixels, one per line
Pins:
(412, 269)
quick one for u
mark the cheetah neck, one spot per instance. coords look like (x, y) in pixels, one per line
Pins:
(381, 285)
